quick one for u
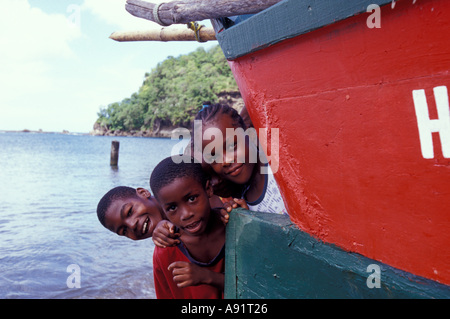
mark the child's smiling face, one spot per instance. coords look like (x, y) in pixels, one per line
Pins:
(231, 168)
(134, 217)
(186, 204)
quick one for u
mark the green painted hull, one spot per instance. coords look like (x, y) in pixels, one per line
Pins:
(267, 256)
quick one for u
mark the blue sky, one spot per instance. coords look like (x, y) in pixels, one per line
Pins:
(58, 66)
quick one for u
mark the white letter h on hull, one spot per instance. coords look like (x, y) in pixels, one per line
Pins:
(427, 126)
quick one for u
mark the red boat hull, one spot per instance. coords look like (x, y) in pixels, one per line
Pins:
(352, 170)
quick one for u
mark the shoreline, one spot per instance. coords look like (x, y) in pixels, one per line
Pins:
(164, 133)
(43, 132)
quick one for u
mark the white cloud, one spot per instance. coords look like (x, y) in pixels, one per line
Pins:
(57, 69)
(44, 82)
(31, 40)
(30, 34)
(113, 12)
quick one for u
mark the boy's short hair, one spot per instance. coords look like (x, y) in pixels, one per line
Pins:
(174, 167)
(119, 192)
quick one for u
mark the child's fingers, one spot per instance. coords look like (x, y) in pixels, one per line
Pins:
(224, 212)
(235, 203)
(225, 219)
(164, 242)
(241, 203)
(171, 241)
(177, 264)
(166, 232)
(224, 216)
(180, 273)
(173, 232)
(228, 206)
(159, 245)
(183, 284)
(168, 225)
(173, 235)
(160, 242)
(171, 229)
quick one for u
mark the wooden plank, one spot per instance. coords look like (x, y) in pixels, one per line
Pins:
(230, 258)
(285, 20)
(269, 257)
(173, 33)
(184, 11)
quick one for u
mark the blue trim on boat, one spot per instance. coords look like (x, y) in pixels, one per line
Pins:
(285, 20)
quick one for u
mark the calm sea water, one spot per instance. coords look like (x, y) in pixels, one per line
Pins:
(50, 185)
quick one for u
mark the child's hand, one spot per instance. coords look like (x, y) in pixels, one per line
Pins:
(186, 274)
(164, 234)
(230, 205)
(224, 216)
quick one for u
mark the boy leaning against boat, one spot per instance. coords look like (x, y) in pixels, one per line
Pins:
(193, 268)
(188, 259)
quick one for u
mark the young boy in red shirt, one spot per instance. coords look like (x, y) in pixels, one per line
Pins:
(134, 213)
(194, 269)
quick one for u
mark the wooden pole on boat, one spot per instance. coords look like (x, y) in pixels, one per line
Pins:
(184, 11)
(114, 153)
(172, 33)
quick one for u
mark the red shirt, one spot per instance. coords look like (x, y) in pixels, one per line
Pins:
(166, 288)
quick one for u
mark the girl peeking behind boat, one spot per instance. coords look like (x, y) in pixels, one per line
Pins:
(230, 160)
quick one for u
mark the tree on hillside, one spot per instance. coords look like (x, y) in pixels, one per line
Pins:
(172, 93)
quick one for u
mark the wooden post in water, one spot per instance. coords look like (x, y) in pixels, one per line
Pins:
(114, 153)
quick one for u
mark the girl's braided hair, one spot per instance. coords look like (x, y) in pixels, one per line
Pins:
(211, 112)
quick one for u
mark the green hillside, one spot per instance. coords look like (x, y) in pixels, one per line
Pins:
(172, 93)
